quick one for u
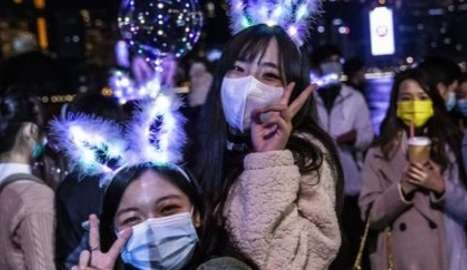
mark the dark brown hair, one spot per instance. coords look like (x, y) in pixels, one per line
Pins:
(440, 128)
(18, 106)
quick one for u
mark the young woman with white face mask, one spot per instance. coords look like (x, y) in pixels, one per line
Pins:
(270, 171)
(152, 218)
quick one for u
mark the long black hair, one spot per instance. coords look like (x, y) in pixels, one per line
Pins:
(440, 70)
(17, 107)
(124, 178)
(440, 128)
(216, 167)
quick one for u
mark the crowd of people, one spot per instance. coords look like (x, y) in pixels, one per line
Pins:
(277, 173)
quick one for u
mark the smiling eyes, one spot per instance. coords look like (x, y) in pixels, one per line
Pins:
(131, 221)
(407, 97)
(267, 74)
(238, 69)
(162, 210)
(170, 209)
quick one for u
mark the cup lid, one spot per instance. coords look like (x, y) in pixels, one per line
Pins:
(419, 141)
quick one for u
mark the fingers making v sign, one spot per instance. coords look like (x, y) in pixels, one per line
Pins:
(272, 126)
(95, 259)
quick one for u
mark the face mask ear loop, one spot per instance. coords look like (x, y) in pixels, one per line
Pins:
(245, 95)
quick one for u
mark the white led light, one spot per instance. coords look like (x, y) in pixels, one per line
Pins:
(245, 13)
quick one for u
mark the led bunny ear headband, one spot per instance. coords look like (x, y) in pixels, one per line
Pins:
(98, 147)
(292, 15)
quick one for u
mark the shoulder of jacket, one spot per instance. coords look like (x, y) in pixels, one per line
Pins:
(352, 93)
(28, 184)
(30, 192)
(375, 153)
(228, 263)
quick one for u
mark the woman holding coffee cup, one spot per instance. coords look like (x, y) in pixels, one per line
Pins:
(413, 183)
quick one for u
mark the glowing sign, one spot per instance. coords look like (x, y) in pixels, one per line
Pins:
(382, 31)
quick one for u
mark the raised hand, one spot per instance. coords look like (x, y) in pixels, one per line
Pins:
(141, 70)
(272, 126)
(96, 259)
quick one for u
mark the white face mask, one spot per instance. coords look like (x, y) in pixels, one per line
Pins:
(241, 96)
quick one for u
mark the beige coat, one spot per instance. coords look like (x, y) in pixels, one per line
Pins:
(27, 226)
(280, 218)
(418, 234)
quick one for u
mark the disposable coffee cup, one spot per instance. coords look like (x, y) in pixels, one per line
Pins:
(419, 149)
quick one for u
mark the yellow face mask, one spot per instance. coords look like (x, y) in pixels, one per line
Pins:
(417, 112)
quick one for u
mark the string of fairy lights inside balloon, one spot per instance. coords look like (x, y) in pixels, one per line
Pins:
(154, 30)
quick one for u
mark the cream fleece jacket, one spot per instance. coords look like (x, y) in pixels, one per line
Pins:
(280, 218)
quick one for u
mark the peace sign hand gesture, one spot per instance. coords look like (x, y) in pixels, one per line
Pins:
(272, 126)
(96, 259)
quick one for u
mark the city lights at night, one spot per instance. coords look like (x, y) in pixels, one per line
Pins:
(233, 134)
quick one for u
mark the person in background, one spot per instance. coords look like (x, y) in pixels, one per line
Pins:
(344, 114)
(461, 113)
(72, 210)
(270, 171)
(153, 217)
(200, 81)
(443, 75)
(27, 216)
(354, 69)
(51, 167)
(31, 66)
(417, 209)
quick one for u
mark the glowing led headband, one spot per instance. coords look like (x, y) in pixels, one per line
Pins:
(98, 147)
(156, 133)
(125, 89)
(93, 145)
(292, 15)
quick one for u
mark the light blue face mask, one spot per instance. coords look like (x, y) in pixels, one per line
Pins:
(462, 106)
(161, 243)
(451, 101)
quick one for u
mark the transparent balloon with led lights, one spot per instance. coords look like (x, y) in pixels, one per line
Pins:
(157, 28)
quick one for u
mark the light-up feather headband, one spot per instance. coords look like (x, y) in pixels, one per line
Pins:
(91, 144)
(156, 133)
(98, 147)
(292, 15)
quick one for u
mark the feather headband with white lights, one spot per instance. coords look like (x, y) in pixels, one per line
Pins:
(156, 133)
(98, 147)
(292, 15)
(92, 144)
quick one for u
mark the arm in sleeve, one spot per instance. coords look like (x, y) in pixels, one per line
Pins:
(386, 203)
(454, 199)
(362, 124)
(36, 230)
(267, 224)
